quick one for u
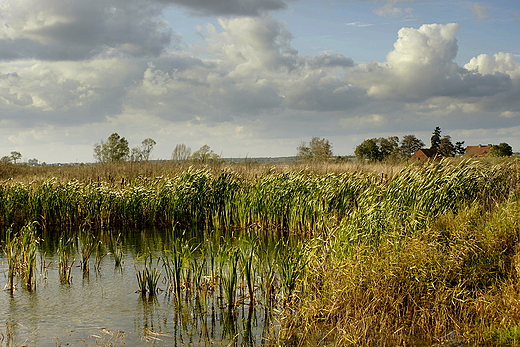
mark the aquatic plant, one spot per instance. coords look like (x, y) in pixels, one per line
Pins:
(21, 252)
(147, 275)
(64, 262)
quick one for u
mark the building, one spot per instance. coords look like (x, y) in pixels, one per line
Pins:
(425, 154)
(477, 151)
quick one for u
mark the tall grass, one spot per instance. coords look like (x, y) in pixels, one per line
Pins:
(296, 202)
(346, 257)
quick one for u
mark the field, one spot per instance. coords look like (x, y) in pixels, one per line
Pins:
(339, 253)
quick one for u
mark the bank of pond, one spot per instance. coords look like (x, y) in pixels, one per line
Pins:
(427, 256)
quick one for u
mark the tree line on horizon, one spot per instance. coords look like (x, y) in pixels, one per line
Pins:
(390, 148)
(116, 149)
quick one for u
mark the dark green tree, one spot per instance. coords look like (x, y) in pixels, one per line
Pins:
(377, 149)
(460, 149)
(368, 150)
(501, 150)
(446, 147)
(435, 141)
(410, 144)
(114, 149)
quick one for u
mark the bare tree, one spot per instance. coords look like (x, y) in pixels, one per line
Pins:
(143, 151)
(181, 152)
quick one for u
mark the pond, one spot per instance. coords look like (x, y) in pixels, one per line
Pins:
(202, 296)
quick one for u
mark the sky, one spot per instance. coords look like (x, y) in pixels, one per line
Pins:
(254, 78)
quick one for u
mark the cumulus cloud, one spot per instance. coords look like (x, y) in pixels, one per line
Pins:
(244, 80)
(230, 7)
(76, 30)
(418, 65)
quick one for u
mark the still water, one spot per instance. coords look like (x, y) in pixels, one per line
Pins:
(103, 307)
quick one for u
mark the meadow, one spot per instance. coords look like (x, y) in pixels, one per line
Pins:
(340, 253)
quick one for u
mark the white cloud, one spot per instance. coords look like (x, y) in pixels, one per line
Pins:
(480, 11)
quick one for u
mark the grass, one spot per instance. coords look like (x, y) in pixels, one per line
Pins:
(341, 253)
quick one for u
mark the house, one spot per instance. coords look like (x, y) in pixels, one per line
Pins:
(425, 154)
(477, 151)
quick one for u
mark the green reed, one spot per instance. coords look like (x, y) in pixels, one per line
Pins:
(300, 202)
(147, 275)
(65, 264)
(87, 244)
(21, 252)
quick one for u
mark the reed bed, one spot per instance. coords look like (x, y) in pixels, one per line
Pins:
(427, 254)
(297, 202)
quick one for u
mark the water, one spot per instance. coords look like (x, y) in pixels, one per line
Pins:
(103, 307)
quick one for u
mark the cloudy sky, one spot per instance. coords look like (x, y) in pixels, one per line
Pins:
(254, 77)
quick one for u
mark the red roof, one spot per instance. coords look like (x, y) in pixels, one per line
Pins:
(426, 153)
(477, 151)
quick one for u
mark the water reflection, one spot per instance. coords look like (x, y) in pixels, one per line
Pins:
(100, 305)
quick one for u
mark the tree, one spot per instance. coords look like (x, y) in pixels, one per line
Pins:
(460, 149)
(501, 150)
(378, 149)
(368, 150)
(204, 154)
(143, 151)
(446, 147)
(410, 144)
(6, 159)
(436, 138)
(318, 149)
(114, 149)
(181, 152)
(32, 162)
(15, 156)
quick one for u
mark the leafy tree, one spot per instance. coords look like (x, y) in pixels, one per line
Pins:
(368, 150)
(181, 152)
(204, 154)
(6, 159)
(114, 149)
(32, 161)
(460, 149)
(410, 144)
(143, 152)
(15, 156)
(446, 147)
(436, 138)
(501, 150)
(318, 149)
(377, 149)
(388, 146)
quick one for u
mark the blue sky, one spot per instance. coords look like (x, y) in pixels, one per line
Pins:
(254, 77)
